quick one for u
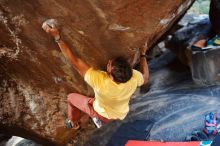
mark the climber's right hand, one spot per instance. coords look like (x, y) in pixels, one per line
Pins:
(52, 30)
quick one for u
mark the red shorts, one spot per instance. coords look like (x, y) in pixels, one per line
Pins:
(77, 103)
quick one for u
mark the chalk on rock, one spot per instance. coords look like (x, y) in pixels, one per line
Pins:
(53, 23)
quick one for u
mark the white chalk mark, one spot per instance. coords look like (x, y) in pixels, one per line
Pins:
(118, 27)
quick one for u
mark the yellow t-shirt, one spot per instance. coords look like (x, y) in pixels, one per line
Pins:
(112, 99)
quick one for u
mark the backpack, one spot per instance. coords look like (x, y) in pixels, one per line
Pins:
(210, 124)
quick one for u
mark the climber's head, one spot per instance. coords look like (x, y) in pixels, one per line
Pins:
(119, 69)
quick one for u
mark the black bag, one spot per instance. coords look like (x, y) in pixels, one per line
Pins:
(214, 15)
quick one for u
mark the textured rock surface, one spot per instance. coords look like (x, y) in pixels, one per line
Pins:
(205, 67)
(35, 77)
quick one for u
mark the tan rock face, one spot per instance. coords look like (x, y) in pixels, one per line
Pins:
(35, 77)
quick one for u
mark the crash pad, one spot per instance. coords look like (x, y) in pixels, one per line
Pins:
(150, 143)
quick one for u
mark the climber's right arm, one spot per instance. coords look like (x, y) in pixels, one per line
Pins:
(77, 62)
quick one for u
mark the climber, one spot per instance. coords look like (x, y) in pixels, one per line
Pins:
(112, 88)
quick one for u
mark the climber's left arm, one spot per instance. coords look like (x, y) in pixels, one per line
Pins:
(77, 62)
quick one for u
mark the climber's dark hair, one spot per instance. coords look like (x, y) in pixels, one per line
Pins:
(121, 70)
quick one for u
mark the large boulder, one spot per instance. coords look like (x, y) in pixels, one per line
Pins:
(35, 77)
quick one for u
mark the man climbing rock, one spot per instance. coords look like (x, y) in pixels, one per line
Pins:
(113, 88)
